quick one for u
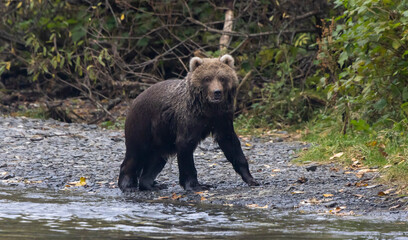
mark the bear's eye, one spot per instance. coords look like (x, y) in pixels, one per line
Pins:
(223, 79)
(207, 79)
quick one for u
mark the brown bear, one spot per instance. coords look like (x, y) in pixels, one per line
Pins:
(173, 116)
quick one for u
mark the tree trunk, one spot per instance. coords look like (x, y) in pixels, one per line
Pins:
(228, 23)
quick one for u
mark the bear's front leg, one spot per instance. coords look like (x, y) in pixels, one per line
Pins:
(187, 170)
(229, 143)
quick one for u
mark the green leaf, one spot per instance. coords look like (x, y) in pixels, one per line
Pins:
(380, 104)
(142, 42)
(2, 68)
(404, 108)
(78, 32)
(100, 60)
(343, 57)
(361, 125)
(62, 62)
(396, 44)
(54, 62)
(77, 64)
(405, 94)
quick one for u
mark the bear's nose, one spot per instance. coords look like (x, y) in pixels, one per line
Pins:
(217, 94)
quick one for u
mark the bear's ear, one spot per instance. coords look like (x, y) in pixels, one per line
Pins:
(195, 62)
(227, 59)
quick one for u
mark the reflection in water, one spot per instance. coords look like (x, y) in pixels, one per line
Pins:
(27, 213)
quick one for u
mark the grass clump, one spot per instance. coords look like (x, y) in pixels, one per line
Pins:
(36, 112)
(371, 147)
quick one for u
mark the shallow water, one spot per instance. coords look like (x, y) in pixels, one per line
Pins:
(38, 213)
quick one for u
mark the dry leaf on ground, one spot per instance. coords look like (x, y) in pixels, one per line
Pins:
(337, 155)
(256, 206)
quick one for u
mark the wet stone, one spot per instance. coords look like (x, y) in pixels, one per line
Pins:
(330, 204)
(6, 175)
(311, 168)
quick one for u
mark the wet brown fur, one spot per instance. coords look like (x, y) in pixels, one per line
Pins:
(173, 116)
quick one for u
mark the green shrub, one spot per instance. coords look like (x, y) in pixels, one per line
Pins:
(365, 52)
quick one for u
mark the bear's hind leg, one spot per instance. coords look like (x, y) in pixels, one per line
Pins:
(129, 173)
(153, 166)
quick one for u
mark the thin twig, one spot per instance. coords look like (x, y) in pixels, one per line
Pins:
(241, 84)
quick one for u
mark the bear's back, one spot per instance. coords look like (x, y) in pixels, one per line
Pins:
(160, 95)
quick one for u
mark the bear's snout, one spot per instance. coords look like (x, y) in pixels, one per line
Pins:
(215, 91)
(217, 94)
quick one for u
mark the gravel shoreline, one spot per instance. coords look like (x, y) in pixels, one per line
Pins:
(51, 154)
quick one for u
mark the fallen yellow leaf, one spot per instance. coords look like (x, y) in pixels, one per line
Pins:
(381, 194)
(338, 209)
(372, 143)
(328, 195)
(82, 182)
(164, 197)
(366, 170)
(175, 196)
(361, 184)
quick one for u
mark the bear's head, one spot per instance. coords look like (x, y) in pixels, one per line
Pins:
(215, 78)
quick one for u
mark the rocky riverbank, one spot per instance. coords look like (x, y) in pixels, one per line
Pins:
(78, 157)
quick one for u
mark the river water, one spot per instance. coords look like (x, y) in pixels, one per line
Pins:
(27, 213)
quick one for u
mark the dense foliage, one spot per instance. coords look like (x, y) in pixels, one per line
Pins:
(347, 55)
(364, 53)
(115, 49)
(363, 59)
